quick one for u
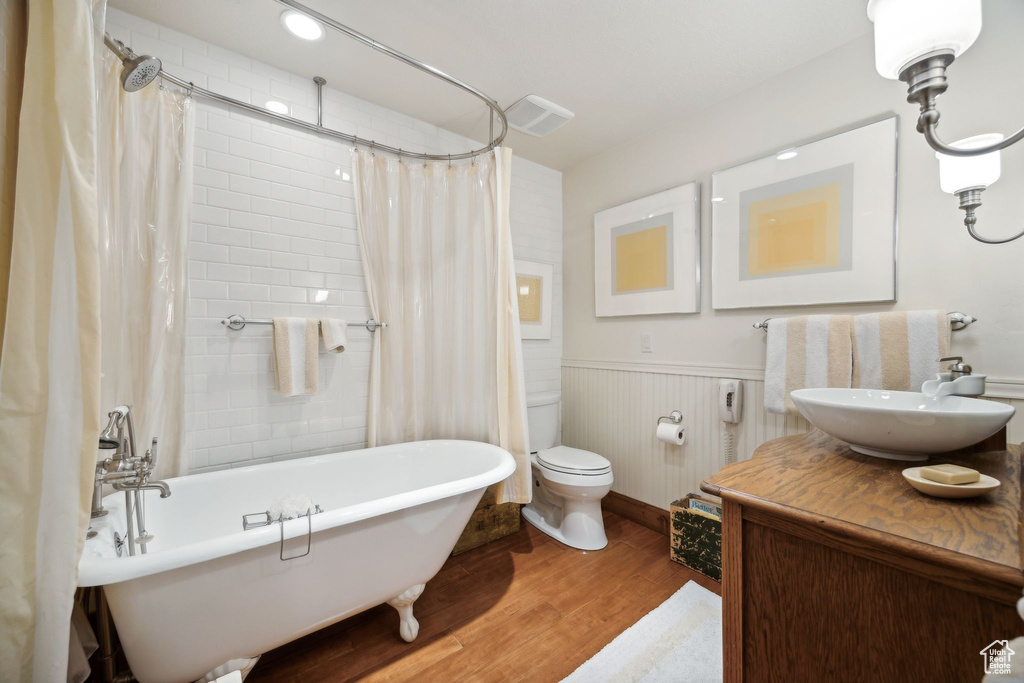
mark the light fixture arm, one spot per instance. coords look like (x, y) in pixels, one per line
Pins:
(970, 220)
(927, 125)
(970, 200)
(926, 80)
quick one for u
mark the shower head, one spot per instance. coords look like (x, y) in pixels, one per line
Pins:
(139, 71)
(110, 438)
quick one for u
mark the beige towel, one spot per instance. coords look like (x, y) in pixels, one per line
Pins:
(898, 351)
(807, 351)
(296, 355)
(334, 333)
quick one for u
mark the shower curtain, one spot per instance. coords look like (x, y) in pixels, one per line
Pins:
(50, 365)
(437, 253)
(145, 182)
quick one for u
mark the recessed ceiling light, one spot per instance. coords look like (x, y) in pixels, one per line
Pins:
(718, 199)
(786, 154)
(301, 26)
(277, 107)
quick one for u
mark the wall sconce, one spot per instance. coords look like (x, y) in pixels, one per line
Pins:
(915, 41)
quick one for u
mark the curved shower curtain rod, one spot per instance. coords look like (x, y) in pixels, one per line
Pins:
(121, 51)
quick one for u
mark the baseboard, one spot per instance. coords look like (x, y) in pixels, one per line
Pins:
(637, 511)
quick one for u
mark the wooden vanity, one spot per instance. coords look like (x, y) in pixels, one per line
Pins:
(835, 569)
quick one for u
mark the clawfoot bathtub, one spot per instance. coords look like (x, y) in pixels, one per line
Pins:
(209, 596)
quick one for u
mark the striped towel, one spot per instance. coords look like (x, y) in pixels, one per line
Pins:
(808, 351)
(296, 355)
(898, 351)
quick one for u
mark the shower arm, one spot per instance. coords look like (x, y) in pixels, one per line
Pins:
(123, 52)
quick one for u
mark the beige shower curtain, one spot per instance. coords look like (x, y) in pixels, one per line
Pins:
(49, 369)
(12, 52)
(145, 181)
(437, 249)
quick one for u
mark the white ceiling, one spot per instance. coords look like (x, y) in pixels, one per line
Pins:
(623, 67)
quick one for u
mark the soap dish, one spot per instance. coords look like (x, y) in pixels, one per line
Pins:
(939, 490)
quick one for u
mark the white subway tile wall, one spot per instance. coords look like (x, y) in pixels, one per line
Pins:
(274, 234)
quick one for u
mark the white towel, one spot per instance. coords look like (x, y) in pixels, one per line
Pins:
(899, 350)
(335, 337)
(290, 507)
(806, 352)
(296, 355)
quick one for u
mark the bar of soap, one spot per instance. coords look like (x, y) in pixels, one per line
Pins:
(950, 474)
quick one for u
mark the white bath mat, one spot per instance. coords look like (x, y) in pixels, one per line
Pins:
(679, 641)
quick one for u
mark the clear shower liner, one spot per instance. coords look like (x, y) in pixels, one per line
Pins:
(145, 143)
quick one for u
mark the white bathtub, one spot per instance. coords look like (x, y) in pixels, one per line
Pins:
(208, 592)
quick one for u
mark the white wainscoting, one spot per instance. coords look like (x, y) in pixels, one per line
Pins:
(612, 409)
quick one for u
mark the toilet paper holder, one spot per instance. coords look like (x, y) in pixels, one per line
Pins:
(675, 417)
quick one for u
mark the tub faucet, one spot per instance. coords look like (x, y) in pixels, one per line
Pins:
(118, 436)
(155, 485)
(127, 471)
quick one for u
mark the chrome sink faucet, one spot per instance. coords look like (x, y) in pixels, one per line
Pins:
(956, 381)
(127, 471)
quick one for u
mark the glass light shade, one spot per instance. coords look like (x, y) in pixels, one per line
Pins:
(908, 29)
(960, 173)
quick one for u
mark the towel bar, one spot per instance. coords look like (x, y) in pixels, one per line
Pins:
(237, 322)
(959, 321)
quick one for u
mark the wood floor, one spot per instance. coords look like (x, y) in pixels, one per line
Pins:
(524, 607)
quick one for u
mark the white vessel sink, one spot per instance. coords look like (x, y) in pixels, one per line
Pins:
(901, 425)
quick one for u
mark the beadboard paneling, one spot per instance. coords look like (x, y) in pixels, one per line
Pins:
(614, 412)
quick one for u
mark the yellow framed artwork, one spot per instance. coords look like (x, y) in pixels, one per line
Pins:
(534, 282)
(647, 255)
(814, 224)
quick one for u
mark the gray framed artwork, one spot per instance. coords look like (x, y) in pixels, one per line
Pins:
(814, 224)
(647, 255)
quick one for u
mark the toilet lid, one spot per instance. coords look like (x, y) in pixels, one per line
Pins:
(566, 459)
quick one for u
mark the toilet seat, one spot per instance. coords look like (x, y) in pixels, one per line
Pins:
(574, 461)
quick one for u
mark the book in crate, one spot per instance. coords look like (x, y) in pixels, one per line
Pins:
(696, 535)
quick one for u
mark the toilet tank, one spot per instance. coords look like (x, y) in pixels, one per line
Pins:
(542, 416)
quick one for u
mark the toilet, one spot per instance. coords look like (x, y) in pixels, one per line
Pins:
(568, 483)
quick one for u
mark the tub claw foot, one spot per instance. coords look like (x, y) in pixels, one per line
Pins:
(409, 628)
(242, 666)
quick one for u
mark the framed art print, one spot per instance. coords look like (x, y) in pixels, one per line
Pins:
(647, 255)
(814, 224)
(534, 282)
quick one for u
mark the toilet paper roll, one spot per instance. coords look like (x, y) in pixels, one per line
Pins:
(669, 432)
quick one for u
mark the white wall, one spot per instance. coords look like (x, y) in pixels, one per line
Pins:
(274, 234)
(939, 265)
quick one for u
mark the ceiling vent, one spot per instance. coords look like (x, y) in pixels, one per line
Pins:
(536, 116)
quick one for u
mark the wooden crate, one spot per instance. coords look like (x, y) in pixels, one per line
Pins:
(696, 535)
(489, 522)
